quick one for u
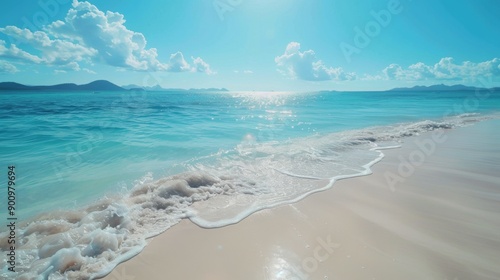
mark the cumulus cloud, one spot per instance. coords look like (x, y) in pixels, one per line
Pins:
(14, 53)
(88, 71)
(6, 67)
(394, 71)
(106, 33)
(243, 72)
(52, 52)
(445, 69)
(88, 34)
(177, 63)
(305, 66)
(201, 66)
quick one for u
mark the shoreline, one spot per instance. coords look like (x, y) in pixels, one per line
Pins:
(436, 222)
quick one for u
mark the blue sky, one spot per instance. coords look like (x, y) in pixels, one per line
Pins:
(284, 45)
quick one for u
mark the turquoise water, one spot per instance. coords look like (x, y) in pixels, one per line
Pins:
(164, 151)
(88, 144)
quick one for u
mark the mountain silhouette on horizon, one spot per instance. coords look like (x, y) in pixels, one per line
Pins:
(440, 87)
(99, 85)
(104, 85)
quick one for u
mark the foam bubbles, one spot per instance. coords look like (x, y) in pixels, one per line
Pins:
(54, 243)
(101, 241)
(66, 259)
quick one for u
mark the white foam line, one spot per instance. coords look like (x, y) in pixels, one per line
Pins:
(226, 222)
(367, 171)
(340, 176)
(123, 258)
(299, 176)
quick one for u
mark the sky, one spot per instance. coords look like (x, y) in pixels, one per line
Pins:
(280, 45)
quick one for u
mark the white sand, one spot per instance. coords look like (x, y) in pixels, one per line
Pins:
(441, 222)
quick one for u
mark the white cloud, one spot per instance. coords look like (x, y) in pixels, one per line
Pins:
(88, 35)
(445, 69)
(243, 72)
(88, 71)
(177, 63)
(6, 67)
(106, 33)
(394, 72)
(14, 53)
(73, 66)
(53, 52)
(201, 66)
(420, 71)
(305, 66)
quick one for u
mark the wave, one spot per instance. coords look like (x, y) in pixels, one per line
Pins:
(214, 191)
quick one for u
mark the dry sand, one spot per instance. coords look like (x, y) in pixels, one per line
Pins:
(440, 222)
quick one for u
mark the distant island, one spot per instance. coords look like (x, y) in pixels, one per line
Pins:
(442, 87)
(99, 85)
(159, 88)
(103, 85)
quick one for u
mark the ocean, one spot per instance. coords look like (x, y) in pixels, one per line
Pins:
(99, 172)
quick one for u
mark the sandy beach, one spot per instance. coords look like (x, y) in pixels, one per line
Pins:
(436, 217)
